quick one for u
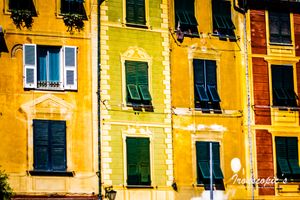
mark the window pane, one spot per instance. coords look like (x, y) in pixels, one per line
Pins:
(54, 65)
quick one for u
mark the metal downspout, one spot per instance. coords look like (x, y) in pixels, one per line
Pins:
(248, 92)
(99, 99)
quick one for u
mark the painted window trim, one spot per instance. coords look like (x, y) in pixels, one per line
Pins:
(270, 44)
(281, 62)
(59, 14)
(125, 135)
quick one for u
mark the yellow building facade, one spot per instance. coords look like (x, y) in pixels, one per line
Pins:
(48, 127)
(208, 98)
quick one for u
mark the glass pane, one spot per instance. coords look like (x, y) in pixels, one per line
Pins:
(54, 65)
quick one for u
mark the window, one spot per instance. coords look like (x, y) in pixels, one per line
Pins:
(203, 165)
(72, 7)
(185, 17)
(205, 85)
(137, 86)
(279, 27)
(283, 86)
(222, 23)
(50, 67)
(22, 5)
(287, 157)
(138, 161)
(135, 12)
(49, 140)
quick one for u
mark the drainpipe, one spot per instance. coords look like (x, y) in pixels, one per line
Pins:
(99, 99)
(248, 92)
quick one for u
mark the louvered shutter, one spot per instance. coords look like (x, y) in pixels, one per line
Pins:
(30, 65)
(211, 78)
(132, 161)
(142, 80)
(130, 11)
(41, 145)
(58, 145)
(144, 161)
(70, 67)
(202, 157)
(217, 172)
(285, 28)
(198, 71)
(282, 156)
(140, 12)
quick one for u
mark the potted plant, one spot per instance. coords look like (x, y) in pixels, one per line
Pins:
(5, 190)
(22, 18)
(73, 20)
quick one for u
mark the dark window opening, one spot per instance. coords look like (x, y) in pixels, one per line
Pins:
(280, 29)
(73, 7)
(283, 86)
(222, 22)
(22, 5)
(185, 19)
(205, 86)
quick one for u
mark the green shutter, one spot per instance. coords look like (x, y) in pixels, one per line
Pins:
(58, 145)
(130, 11)
(198, 71)
(41, 145)
(204, 169)
(211, 75)
(282, 156)
(130, 72)
(138, 161)
(202, 95)
(142, 73)
(140, 12)
(217, 172)
(146, 96)
(133, 92)
(212, 90)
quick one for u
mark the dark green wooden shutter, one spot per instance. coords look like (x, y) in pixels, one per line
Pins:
(202, 157)
(130, 72)
(41, 145)
(292, 149)
(217, 172)
(130, 10)
(282, 156)
(58, 145)
(198, 71)
(140, 12)
(142, 73)
(211, 77)
(138, 161)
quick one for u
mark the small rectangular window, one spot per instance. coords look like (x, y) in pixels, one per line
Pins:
(279, 27)
(287, 158)
(72, 7)
(50, 67)
(138, 161)
(283, 86)
(222, 22)
(205, 85)
(185, 19)
(137, 87)
(135, 12)
(49, 145)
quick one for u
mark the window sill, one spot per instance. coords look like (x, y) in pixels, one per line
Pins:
(232, 38)
(51, 173)
(140, 107)
(286, 108)
(139, 187)
(143, 26)
(281, 44)
(209, 111)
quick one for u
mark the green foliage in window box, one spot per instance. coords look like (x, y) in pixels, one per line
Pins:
(5, 190)
(73, 20)
(22, 18)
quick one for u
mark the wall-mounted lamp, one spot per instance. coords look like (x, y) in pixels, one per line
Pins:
(110, 193)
